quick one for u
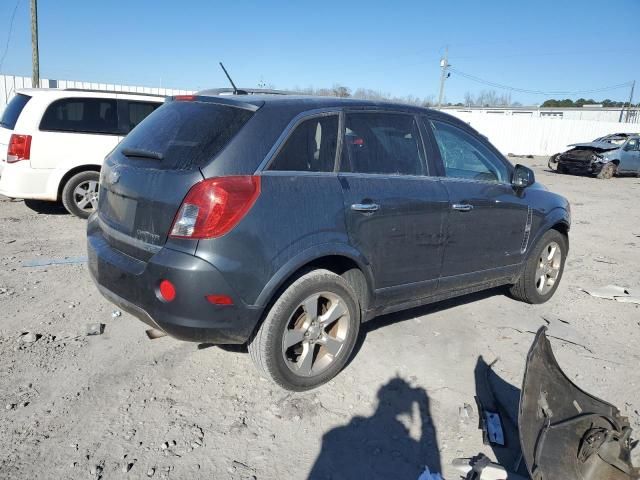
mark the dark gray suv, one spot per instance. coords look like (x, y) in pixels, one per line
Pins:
(284, 222)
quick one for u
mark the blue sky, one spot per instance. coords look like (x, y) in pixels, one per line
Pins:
(393, 47)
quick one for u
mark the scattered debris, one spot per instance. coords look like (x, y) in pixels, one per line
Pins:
(602, 260)
(30, 337)
(45, 262)
(465, 412)
(95, 329)
(126, 467)
(151, 471)
(615, 292)
(153, 333)
(116, 314)
(9, 406)
(10, 241)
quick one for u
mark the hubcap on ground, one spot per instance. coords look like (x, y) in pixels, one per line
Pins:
(315, 334)
(86, 195)
(548, 268)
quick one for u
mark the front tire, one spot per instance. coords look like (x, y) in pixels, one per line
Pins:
(309, 333)
(80, 194)
(543, 269)
(607, 171)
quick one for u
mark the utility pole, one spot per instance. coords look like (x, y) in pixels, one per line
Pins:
(35, 56)
(633, 85)
(444, 65)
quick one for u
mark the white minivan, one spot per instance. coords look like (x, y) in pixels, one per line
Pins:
(53, 142)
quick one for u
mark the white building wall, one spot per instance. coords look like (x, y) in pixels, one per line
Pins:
(529, 135)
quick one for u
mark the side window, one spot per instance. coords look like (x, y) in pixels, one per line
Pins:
(310, 148)
(82, 115)
(632, 144)
(464, 156)
(385, 143)
(138, 111)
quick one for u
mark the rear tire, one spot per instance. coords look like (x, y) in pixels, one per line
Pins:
(309, 333)
(543, 269)
(80, 194)
(607, 171)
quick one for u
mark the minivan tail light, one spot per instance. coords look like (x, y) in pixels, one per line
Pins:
(19, 148)
(214, 206)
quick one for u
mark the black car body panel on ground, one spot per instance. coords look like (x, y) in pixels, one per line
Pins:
(214, 206)
(566, 432)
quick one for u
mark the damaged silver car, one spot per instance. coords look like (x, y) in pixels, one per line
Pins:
(617, 154)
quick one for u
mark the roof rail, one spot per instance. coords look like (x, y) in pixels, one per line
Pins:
(113, 91)
(245, 91)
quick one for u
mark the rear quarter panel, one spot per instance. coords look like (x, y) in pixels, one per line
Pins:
(295, 213)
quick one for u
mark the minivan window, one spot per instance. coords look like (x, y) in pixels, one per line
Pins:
(13, 110)
(185, 135)
(82, 115)
(464, 156)
(138, 111)
(384, 143)
(311, 147)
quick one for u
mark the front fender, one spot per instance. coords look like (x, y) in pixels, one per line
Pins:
(558, 215)
(309, 255)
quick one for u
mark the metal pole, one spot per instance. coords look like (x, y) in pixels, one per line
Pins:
(633, 85)
(444, 64)
(35, 56)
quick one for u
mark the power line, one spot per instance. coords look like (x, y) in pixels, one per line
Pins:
(536, 92)
(6, 47)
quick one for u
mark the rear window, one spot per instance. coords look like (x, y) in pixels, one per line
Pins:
(185, 135)
(82, 115)
(13, 111)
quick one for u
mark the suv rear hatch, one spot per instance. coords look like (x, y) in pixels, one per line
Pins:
(8, 122)
(146, 177)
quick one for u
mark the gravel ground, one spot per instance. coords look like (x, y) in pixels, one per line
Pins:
(118, 405)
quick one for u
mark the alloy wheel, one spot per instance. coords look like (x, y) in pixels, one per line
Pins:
(548, 268)
(85, 195)
(315, 334)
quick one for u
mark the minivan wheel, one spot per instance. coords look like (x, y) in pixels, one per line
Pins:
(80, 194)
(543, 269)
(309, 333)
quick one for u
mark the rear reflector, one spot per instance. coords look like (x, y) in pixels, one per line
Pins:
(167, 291)
(214, 206)
(220, 299)
(19, 148)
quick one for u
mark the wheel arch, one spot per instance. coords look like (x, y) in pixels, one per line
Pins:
(79, 169)
(341, 260)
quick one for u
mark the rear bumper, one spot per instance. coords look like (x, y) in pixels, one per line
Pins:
(19, 180)
(132, 285)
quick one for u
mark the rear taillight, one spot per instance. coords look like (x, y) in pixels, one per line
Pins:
(19, 148)
(214, 206)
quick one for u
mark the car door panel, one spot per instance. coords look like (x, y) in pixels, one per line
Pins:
(487, 217)
(394, 212)
(403, 238)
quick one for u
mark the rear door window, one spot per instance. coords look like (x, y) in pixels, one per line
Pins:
(82, 115)
(135, 112)
(184, 135)
(383, 143)
(310, 148)
(13, 110)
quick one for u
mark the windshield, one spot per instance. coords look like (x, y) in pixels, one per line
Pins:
(13, 111)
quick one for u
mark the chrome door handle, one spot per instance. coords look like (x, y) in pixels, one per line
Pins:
(462, 207)
(365, 207)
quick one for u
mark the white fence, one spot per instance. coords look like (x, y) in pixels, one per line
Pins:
(540, 136)
(10, 83)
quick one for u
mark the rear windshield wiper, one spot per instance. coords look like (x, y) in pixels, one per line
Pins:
(141, 153)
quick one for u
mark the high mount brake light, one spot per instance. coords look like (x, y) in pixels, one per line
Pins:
(19, 148)
(214, 206)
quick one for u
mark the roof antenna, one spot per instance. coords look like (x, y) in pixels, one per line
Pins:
(235, 89)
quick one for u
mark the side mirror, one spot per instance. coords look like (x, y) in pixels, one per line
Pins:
(522, 177)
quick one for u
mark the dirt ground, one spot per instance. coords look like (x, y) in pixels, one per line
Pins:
(118, 405)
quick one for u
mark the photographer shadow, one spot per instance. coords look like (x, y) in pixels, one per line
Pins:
(397, 441)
